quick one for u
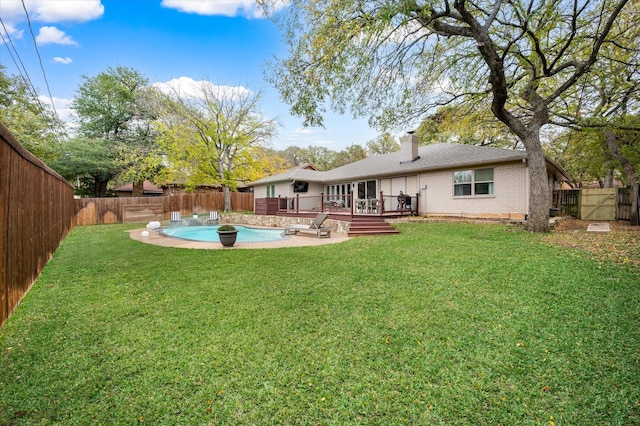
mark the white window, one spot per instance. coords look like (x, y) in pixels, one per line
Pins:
(473, 182)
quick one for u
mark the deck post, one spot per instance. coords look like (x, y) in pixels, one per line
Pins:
(381, 204)
(297, 203)
(351, 196)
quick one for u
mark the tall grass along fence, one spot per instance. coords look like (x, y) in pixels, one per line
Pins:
(36, 213)
(92, 211)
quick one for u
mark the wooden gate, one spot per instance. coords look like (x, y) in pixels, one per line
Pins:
(598, 204)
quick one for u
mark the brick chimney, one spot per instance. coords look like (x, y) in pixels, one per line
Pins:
(409, 147)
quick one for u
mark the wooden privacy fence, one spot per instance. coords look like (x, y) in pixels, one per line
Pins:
(604, 204)
(93, 211)
(625, 205)
(36, 213)
(567, 201)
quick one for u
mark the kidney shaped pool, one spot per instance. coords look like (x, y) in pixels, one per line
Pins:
(208, 234)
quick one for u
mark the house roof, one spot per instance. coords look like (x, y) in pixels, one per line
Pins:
(147, 187)
(430, 157)
(305, 172)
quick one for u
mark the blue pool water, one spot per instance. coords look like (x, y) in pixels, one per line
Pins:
(208, 234)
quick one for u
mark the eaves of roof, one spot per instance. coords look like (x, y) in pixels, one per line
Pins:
(555, 166)
(430, 157)
(306, 172)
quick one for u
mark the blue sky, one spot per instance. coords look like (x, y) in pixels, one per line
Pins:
(224, 41)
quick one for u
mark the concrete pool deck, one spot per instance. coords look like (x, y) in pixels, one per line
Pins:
(157, 239)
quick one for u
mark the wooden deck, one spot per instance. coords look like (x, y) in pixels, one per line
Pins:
(360, 224)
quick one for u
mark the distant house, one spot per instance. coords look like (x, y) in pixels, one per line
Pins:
(441, 179)
(178, 188)
(149, 190)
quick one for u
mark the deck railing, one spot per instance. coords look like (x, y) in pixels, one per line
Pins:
(349, 204)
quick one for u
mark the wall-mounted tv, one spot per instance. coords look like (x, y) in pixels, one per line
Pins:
(300, 186)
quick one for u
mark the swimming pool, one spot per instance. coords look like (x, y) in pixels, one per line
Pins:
(208, 234)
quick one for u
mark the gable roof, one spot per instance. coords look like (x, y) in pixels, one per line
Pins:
(305, 172)
(430, 157)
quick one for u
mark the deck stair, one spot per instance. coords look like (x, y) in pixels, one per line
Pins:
(370, 225)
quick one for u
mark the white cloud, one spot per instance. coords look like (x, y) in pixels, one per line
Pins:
(60, 60)
(11, 31)
(12, 10)
(231, 8)
(53, 35)
(63, 107)
(66, 10)
(187, 87)
(52, 10)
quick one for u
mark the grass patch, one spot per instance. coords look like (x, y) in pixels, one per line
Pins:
(443, 324)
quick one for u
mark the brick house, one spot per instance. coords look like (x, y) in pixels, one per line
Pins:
(438, 180)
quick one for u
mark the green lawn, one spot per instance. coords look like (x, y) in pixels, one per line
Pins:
(443, 324)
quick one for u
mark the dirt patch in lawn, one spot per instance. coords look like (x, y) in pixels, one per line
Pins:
(620, 246)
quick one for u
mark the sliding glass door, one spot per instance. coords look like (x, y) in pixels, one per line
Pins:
(367, 189)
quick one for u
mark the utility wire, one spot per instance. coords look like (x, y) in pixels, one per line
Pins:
(22, 70)
(26, 79)
(35, 44)
(24, 75)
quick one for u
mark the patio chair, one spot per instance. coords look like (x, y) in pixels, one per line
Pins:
(372, 205)
(316, 227)
(176, 217)
(213, 217)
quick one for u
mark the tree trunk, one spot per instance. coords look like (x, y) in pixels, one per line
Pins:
(608, 179)
(539, 194)
(138, 189)
(529, 133)
(633, 217)
(227, 199)
(629, 171)
(99, 188)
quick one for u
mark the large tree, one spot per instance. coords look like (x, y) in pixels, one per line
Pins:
(383, 144)
(32, 122)
(604, 107)
(116, 107)
(582, 155)
(466, 124)
(348, 155)
(395, 60)
(320, 157)
(89, 163)
(213, 135)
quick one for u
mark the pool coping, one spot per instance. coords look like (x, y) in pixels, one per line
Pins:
(158, 239)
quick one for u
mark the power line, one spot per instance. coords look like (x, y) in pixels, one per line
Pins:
(22, 70)
(26, 79)
(35, 44)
